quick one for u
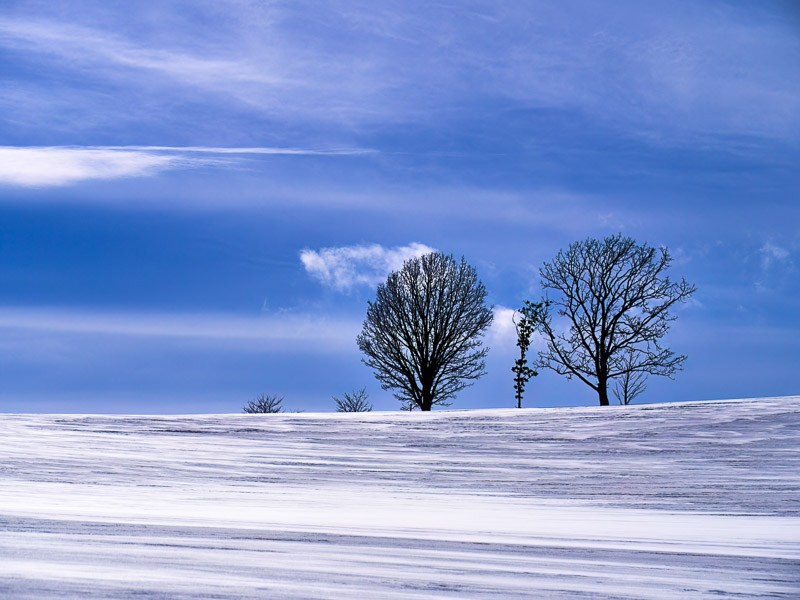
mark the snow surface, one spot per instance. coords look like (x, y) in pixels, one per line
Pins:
(692, 500)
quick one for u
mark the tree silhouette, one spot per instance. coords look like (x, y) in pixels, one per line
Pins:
(530, 314)
(264, 403)
(355, 401)
(615, 298)
(421, 334)
(629, 385)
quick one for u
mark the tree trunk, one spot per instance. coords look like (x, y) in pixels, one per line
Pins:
(427, 393)
(427, 400)
(602, 392)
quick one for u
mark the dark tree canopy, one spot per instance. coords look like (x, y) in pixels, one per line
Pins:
(355, 401)
(615, 297)
(264, 403)
(421, 334)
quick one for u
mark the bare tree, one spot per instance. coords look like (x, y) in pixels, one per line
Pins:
(615, 298)
(629, 385)
(530, 314)
(264, 403)
(421, 335)
(355, 401)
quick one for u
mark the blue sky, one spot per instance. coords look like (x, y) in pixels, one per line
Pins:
(197, 199)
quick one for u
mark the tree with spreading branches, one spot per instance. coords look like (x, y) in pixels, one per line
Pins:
(355, 401)
(615, 298)
(421, 335)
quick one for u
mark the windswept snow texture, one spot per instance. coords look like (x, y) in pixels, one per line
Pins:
(697, 500)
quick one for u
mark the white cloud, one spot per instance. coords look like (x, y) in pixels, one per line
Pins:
(63, 166)
(42, 166)
(270, 330)
(771, 254)
(502, 335)
(346, 267)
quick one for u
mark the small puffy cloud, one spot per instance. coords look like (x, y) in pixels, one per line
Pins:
(502, 335)
(771, 254)
(349, 266)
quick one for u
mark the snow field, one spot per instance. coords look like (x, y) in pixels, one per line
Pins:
(690, 500)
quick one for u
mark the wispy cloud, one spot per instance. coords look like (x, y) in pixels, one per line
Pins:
(345, 267)
(64, 166)
(772, 254)
(242, 151)
(273, 331)
(777, 268)
(85, 44)
(663, 72)
(42, 166)
(261, 66)
(290, 186)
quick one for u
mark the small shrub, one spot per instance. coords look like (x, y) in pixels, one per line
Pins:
(264, 403)
(355, 401)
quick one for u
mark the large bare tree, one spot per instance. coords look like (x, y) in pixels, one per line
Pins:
(615, 298)
(422, 333)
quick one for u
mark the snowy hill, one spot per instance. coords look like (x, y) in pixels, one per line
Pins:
(695, 500)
